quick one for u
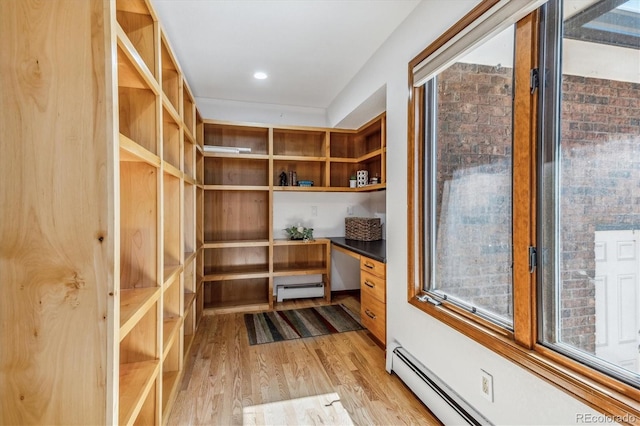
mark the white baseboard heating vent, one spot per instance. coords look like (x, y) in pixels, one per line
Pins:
(298, 291)
(443, 401)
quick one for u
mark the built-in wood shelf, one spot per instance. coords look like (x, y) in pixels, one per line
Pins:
(240, 258)
(134, 304)
(136, 380)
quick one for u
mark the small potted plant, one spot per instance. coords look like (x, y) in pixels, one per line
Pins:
(352, 181)
(299, 233)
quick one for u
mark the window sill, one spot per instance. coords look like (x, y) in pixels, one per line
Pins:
(600, 392)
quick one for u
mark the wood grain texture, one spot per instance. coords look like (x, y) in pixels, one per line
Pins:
(188, 110)
(172, 222)
(57, 234)
(170, 76)
(524, 181)
(255, 138)
(138, 120)
(139, 27)
(236, 215)
(299, 143)
(139, 224)
(189, 220)
(170, 139)
(225, 374)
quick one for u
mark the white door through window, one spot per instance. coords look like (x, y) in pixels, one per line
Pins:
(617, 296)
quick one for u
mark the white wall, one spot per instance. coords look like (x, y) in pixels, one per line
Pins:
(292, 208)
(520, 397)
(225, 110)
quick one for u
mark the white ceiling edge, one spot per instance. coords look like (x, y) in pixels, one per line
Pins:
(287, 115)
(371, 107)
(261, 113)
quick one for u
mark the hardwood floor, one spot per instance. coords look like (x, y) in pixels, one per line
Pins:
(225, 374)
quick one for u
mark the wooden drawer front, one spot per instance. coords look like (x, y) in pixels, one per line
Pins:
(375, 286)
(373, 316)
(373, 266)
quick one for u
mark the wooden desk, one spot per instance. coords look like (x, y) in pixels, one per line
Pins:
(373, 282)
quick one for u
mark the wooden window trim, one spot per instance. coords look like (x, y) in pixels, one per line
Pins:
(597, 390)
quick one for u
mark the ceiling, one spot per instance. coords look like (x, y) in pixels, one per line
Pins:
(310, 49)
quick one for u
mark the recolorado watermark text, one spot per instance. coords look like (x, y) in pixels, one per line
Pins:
(588, 418)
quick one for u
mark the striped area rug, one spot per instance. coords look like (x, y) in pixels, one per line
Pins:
(276, 326)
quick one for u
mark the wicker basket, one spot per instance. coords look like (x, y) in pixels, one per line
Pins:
(363, 228)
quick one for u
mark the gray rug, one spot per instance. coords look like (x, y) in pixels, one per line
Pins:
(276, 326)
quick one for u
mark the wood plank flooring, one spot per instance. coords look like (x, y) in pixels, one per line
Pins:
(224, 374)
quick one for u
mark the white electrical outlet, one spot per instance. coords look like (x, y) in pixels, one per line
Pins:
(349, 210)
(314, 211)
(486, 385)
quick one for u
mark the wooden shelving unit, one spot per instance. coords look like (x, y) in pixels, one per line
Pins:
(240, 258)
(237, 218)
(116, 220)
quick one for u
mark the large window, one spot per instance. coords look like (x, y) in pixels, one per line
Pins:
(468, 163)
(524, 189)
(590, 170)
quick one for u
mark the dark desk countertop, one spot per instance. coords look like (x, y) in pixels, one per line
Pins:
(376, 250)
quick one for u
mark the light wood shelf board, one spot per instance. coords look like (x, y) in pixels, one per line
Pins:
(369, 188)
(229, 308)
(236, 275)
(236, 156)
(171, 169)
(200, 284)
(188, 341)
(168, 106)
(189, 298)
(188, 133)
(313, 189)
(189, 179)
(190, 257)
(133, 6)
(171, 75)
(170, 381)
(298, 158)
(283, 242)
(370, 155)
(314, 270)
(235, 188)
(170, 327)
(191, 138)
(343, 160)
(128, 74)
(134, 304)
(136, 60)
(235, 243)
(136, 380)
(134, 152)
(170, 273)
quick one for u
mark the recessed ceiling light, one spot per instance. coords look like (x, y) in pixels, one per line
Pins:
(260, 75)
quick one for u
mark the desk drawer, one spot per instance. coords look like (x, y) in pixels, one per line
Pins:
(373, 316)
(373, 266)
(375, 286)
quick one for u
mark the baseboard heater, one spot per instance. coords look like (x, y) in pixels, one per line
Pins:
(443, 401)
(298, 291)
